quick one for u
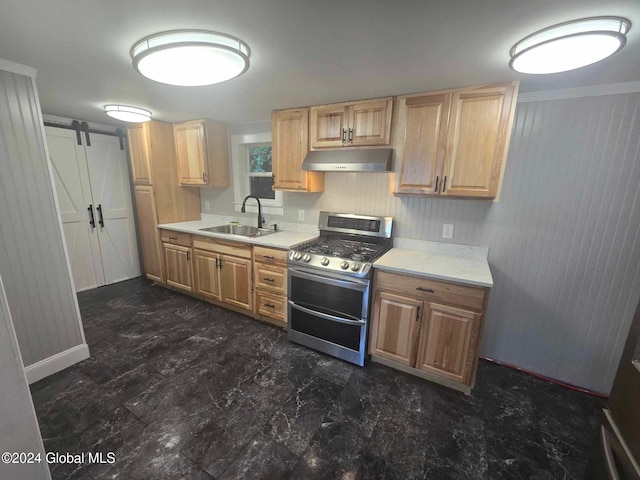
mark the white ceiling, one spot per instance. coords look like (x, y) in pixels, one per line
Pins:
(302, 52)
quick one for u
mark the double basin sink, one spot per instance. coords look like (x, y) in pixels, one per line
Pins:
(242, 230)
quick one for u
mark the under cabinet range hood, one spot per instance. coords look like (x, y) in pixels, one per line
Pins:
(351, 160)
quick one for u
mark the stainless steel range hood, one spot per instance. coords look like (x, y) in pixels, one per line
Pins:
(349, 160)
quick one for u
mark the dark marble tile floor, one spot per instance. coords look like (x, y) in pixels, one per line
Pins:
(181, 389)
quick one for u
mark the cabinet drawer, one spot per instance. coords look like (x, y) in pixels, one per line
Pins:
(270, 255)
(176, 238)
(431, 290)
(271, 278)
(242, 250)
(269, 305)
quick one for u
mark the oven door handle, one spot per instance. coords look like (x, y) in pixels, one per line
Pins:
(326, 316)
(351, 285)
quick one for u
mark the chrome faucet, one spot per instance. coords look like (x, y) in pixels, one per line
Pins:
(260, 218)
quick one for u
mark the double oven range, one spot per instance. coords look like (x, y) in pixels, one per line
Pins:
(329, 280)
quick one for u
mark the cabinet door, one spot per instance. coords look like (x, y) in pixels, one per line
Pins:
(191, 153)
(395, 326)
(140, 155)
(477, 141)
(177, 261)
(423, 125)
(149, 235)
(206, 274)
(290, 144)
(370, 123)
(448, 342)
(328, 126)
(235, 281)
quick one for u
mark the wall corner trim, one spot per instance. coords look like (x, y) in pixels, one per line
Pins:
(13, 67)
(56, 363)
(580, 92)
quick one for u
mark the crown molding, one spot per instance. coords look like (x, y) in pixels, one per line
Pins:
(580, 92)
(12, 67)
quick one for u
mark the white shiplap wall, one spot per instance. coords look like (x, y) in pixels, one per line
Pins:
(564, 238)
(32, 258)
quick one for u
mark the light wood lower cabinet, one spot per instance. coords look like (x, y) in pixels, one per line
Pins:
(251, 280)
(223, 272)
(177, 261)
(270, 280)
(235, 281)
(447, 342)
(149, 235)
(412, 331)
(396, 323)
(206, 275)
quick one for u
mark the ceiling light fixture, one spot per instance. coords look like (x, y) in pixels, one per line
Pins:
(190, 57)
(569, 45)
(127, 113)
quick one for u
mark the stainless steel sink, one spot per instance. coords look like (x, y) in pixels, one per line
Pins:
(242, 230)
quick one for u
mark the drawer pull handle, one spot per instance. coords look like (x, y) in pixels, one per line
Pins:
(173, 238)
(269, 305)
(266, 279)
(269, 257)
(428, 290)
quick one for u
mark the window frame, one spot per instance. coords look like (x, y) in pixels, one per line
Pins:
(240, 145)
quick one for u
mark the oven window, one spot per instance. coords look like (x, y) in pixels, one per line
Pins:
(338, 301)
(339, 333)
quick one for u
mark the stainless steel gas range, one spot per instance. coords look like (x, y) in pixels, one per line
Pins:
(329, 284)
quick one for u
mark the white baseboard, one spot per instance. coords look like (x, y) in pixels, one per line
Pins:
(56, 363)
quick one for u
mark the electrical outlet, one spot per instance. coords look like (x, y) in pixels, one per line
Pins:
(207, 204)
(301, 215)
(447, 230)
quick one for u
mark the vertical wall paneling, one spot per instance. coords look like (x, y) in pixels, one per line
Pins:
(33, 259)
(564, 238)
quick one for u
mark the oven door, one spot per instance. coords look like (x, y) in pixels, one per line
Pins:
(329, 314)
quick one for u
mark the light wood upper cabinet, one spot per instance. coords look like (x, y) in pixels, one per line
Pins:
(290, 144)
(236, 282)
(394, 328)
(424, 121)
(447, 342)
(177, 261)
(328, 126)
(149, 236)
(454, 143)
(366, 123)
(202, 153)
(478, 141)
(139, 154)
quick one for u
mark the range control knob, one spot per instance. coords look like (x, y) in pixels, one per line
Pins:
(306, 257)
(297, 256)
(344, 265)
(355, 267)
(324, 261)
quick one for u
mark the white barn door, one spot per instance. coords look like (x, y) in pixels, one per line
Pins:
(109, 178)
(92, 185)
(74, 197)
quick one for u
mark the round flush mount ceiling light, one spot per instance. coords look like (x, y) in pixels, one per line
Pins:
(127, 113)
(190, 57)
(569, 45)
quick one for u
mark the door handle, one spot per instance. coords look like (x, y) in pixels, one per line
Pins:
(188, 255)
(344, 135)
(351, 135)
(436, 187)
(101, 219)
(92, 220)
(444, 184)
